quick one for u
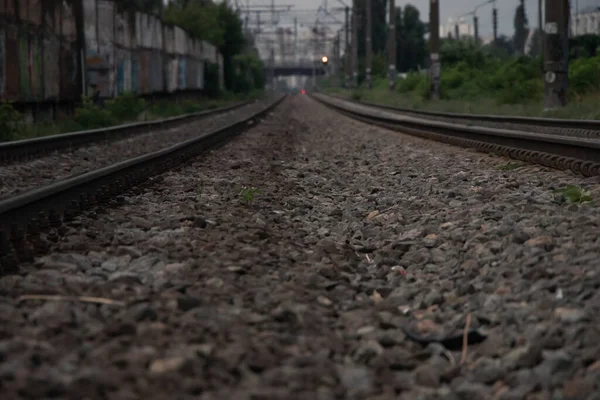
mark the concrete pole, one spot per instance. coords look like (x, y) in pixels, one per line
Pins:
(369, 45)
(392, 46)
(476, 28)
(347, 49)
(434, 47)
(354, 45)
(556, 53)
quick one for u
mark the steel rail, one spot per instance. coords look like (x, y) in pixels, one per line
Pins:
(558, 123)
(24, 217)
(580, 155)
(29, 149)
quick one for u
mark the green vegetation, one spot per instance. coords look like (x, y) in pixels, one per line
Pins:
(495, 78)
(247, 194)
(123, 109)
(487, 80)
(219, 24)
(510, 166)
(573, 194)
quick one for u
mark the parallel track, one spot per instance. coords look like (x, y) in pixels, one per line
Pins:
(566, 152)
(24, 150)
(560, 126)
(24, 217)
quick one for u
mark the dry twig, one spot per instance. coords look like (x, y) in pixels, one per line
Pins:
(82, 299)
(465, 345)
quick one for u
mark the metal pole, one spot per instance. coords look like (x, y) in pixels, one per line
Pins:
(354, 44)
(434, 47)
(369, 60)
(556, 53)
(392, 46)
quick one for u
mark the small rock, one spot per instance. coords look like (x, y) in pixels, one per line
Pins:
(540, 241)
(578, 388)
(165, 365)
(487, 370)
(428, 375)
(472, 391)
(372, 215)
(569, 315)
(355, 379)
(141, 222)
(367, 351)
(186, 303)
(129, 250)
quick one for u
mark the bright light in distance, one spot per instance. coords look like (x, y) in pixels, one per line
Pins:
(324, 59)
(303, 91)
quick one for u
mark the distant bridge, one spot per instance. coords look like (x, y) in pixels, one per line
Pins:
(296, 68)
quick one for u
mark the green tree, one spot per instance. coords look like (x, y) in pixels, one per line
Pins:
(216, 23)
(521, 27)
(379, 32)
(411, 48)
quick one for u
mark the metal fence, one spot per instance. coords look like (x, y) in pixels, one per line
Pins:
(42, 60)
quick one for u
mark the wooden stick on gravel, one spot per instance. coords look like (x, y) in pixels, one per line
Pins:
(83, 299)
(465, 345)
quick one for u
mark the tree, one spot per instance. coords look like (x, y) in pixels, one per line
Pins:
(216, 23)
(521, 27)
(410, 39)
(379, 33)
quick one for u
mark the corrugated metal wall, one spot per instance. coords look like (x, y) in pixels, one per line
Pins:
(138, 53)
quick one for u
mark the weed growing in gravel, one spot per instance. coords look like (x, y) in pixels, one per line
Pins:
(247, 194)
(199, 191)
(510, 166)
(573, 194)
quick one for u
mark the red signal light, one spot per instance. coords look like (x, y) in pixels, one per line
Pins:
(303, 91)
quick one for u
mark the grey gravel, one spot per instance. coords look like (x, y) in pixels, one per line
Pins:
(357, 233)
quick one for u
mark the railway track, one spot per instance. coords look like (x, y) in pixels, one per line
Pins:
(29, 149)
(561, 149)
(25, 216)
(557, 126)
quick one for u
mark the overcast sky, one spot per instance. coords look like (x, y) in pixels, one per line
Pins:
(448, 9)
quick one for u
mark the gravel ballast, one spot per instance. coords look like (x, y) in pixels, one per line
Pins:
(358, 240)
(18, 178)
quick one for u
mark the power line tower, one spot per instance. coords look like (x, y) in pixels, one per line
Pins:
(556, 53)
(434, 48)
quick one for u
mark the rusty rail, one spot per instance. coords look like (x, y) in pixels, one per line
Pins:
(580, 155)
(28, 149)
(48, 209)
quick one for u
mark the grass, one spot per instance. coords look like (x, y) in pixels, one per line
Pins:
(581, 107)
(573, 195)
(125, 109)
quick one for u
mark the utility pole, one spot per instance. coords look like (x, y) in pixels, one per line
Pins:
(456, 31)
(295, 38)
(392, 46)
(347, 48)
(556, 53)
(354, 44)
(369, 60)
(434, 47)
(540, 27)
(476, 28)
(495, 22)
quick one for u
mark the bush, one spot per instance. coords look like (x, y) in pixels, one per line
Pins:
(90, 116)
(584, 75)
(126, 107)
(11, 122)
